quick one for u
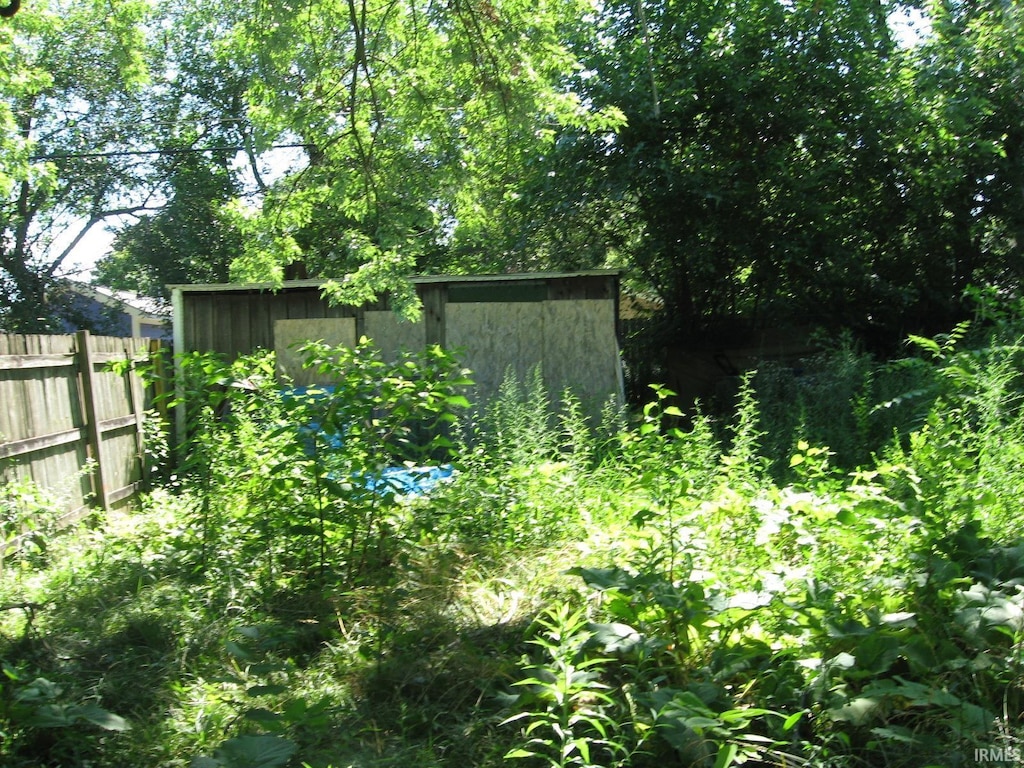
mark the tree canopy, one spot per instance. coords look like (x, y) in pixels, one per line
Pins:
(771, 160)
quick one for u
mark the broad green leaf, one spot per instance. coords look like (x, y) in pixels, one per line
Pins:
(255, 752)
(792, 720)
(615, 637)
(726, 755)
(99, 716)
(261, 715)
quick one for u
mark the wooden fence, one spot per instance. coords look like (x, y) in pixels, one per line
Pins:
(70, 423)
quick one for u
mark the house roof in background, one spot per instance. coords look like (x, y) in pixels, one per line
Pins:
(130, 301)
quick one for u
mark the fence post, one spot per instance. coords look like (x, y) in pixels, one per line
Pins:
(137, 401)
(87, 372)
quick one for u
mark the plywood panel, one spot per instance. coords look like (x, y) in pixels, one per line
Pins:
(392, 335)
(494, 337)
(290, 334)
(581, 351)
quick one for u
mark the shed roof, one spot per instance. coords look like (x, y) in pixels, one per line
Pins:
(416, 279)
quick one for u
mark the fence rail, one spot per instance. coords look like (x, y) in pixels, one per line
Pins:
(63, 408)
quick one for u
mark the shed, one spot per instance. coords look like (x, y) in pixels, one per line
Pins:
(567, 323)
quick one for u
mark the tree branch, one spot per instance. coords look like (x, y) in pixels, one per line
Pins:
(92, 221)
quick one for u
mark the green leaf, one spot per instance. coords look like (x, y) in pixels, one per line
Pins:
(264, 751)
(261, 715)
(792, 720)
(604, 578)
(858, 711)
(896, 733)
(236, 650)
(700, 721)
(615, 637)
(64, 715)
(519, 753)
(101, 717)
(846, 516)
(50, 716)
(726, 755)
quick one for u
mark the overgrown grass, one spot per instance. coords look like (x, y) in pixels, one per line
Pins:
(607, 595)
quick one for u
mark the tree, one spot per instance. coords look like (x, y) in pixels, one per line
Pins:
(201, 130)
(966, 194)
(758, 140)
(68, 113)
(188, 241)
(418, 121)
(769, 160)
(793, 162)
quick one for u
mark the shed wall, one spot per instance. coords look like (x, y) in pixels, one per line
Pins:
(565, 324)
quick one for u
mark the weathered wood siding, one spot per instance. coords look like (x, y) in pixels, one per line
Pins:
(61, 406)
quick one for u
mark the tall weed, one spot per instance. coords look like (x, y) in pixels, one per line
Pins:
(522, 462)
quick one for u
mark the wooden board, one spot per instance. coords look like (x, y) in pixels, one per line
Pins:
(494, 338)
(61, 405)
(573, 342)
(290, 334)
(393, 335)
(581, 352)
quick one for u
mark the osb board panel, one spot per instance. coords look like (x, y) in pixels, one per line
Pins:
(290, 334)
(581, 351)
(391, 334)
(492, 338)
(573, 341)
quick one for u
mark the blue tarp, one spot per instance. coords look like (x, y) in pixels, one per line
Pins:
(411, 481)
(403, 481)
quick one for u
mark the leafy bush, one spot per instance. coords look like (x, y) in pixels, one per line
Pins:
(300, 473)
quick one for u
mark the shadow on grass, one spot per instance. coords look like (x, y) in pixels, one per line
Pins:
(408, 681)
(112, 635)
